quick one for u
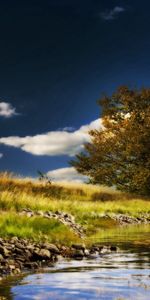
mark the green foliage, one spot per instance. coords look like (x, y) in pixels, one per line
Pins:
(35, 228)
(87, 203)
(119, 154)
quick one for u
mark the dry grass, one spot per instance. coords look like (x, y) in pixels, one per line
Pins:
(85, 202)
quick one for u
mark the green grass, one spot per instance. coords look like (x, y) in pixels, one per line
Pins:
(85, 202)
(36, 228)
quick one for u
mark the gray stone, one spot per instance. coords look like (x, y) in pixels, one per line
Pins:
(78, 246)
(78, 254)
(1, 257)
(31, 265)
(51, 247)
(114, 248)
(4, 251)
(42, 254)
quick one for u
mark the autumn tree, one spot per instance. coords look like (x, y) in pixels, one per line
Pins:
(119, 154)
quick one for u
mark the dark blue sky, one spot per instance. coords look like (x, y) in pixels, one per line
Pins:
(56, 58)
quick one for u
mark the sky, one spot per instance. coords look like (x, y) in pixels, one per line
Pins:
(57, 58)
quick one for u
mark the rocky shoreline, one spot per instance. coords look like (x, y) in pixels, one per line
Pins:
(123, 219)
(18, 255)
(64, 218)
(21, 255)
(69, 220)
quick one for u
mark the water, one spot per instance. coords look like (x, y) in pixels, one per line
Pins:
(115, 276)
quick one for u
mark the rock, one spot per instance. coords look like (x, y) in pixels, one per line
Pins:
(29, 214)
(18, 251)
(20, 258)
(1, 257)
(57, 212)
(86, 252)
(94, 249)
(66, 216)
(78, 246)
(4, 251)
(12, 267)
(94, 255)
(105, 249)
(19, 245)
(114, 248)
(51, 247)
(27, 253)
(42, 254)
(14, 240)
(78, 254)
(31, 265)
(39, 213)
(17, 271)
(30, 247)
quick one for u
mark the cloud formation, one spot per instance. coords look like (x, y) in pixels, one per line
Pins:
(54, 142)
(66, 174)
(6, 110)
(1, 155)
(110, 15)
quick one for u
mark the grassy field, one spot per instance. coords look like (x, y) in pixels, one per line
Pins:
(86, 202)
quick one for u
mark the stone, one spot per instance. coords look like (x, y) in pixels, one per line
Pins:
(28, 253)
(114, 248)
(19, 245)
(30, 247)
(86, 252)
(78, 246)
(18, 251)
(39, 213)
(57, 212)
(52, 248)
(17, 271)
(31, 265)
(78, 254)
(4, 251)
(105, 249)
(29, 214)
(41, 254)
(20, 258)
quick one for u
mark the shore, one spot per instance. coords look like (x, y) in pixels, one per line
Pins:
(40, 222)
(21, 255)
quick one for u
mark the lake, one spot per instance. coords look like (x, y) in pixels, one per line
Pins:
(111, 276)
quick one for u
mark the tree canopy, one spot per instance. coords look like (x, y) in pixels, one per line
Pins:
(119, 154)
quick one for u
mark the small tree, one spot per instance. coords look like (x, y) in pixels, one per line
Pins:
(119, 154)
(44, 178)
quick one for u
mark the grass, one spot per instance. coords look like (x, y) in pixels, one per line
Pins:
(36, 228)
(86, 202)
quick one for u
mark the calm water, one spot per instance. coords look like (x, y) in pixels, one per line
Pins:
(119, 276)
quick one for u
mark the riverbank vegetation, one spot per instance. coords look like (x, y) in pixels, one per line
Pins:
(87, 203)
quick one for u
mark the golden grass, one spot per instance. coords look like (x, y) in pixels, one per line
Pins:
(85, 202)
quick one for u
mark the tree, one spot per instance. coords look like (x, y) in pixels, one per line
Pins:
(119, 154)
(44, 177)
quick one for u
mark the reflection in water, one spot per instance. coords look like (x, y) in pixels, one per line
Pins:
(112, 276)
(116, 276)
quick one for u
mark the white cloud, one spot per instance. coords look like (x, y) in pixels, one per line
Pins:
(110, 15)
(68, 128)
(6, 110)
(66, 174)
(1, 155)
(54, 142)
